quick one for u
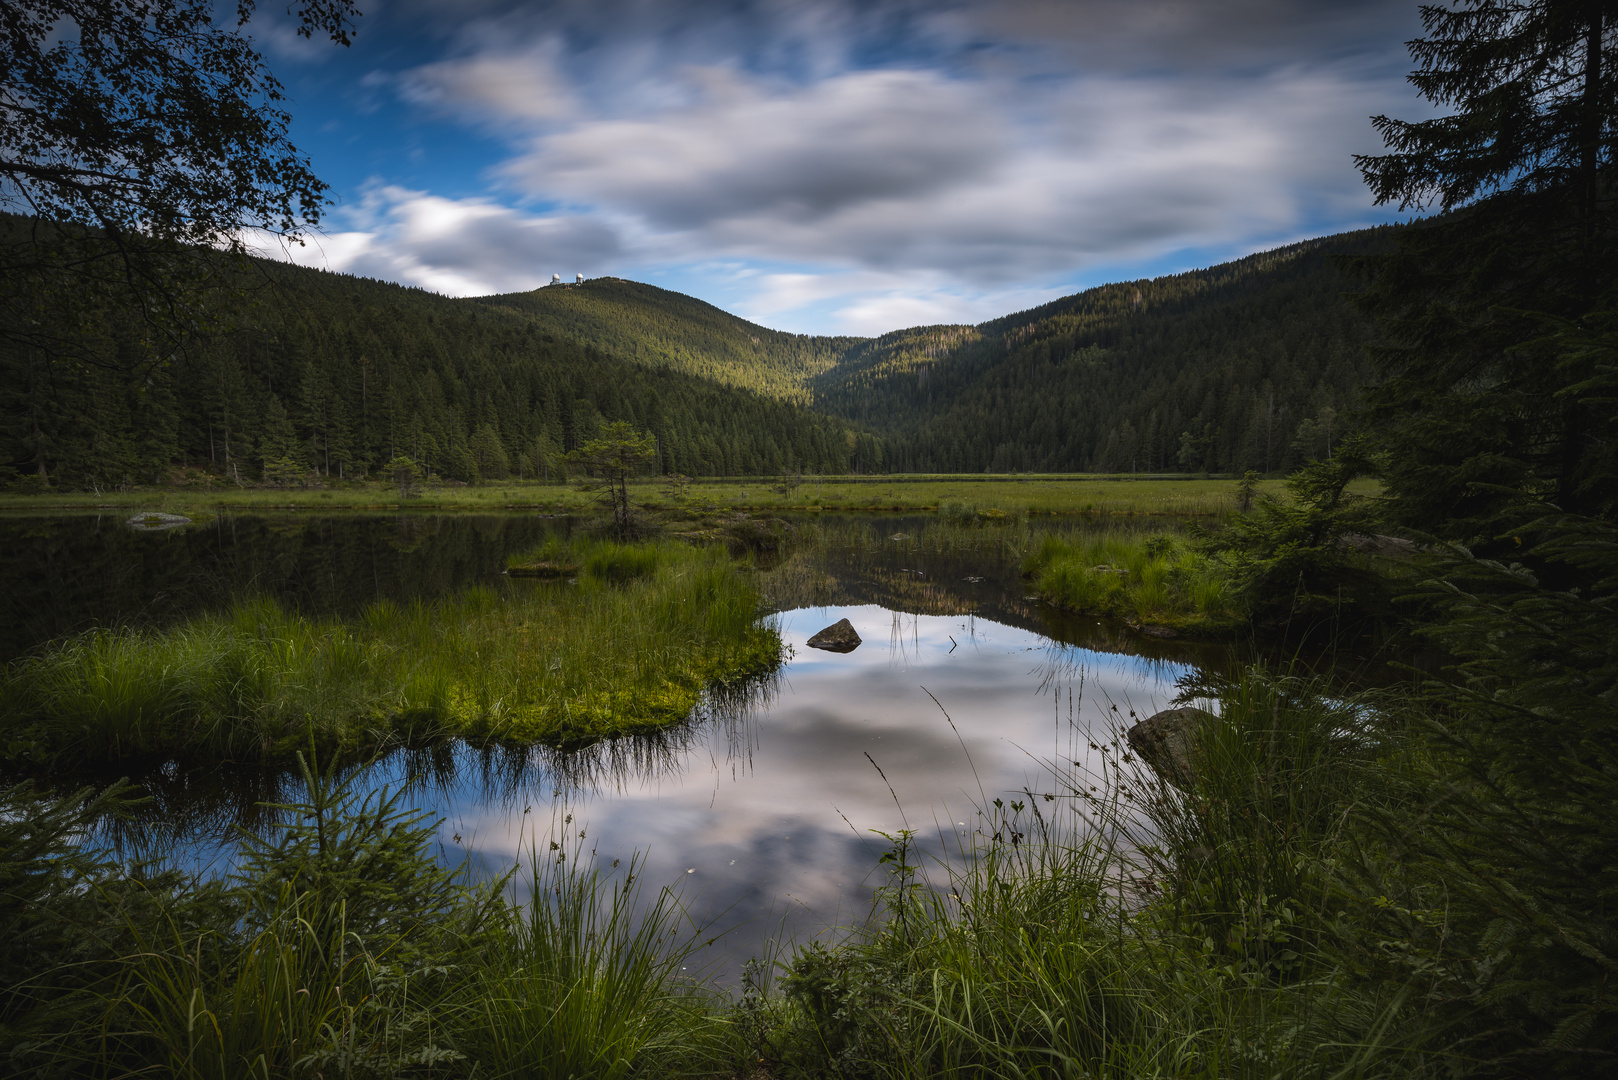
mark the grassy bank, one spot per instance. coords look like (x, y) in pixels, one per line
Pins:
(628, 645)
(340, 948)
(1076, 494)
(1150, 578)
(1114, 925)
(1107, 925)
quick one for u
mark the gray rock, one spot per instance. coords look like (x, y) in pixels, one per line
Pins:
(1167, 741)
(838, 637)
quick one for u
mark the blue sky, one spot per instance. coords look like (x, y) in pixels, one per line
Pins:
(838, 166)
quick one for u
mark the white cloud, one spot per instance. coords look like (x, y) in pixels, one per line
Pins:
(796, 157)
(459, 247)
(868, 165)
(528, 87)
(870, 303)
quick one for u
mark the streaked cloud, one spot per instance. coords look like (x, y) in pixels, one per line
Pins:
(459, 247)
(888, 160)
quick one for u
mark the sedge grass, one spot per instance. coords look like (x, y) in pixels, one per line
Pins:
(586, 982)
(345, 950)
(1148, 577)
(1117, 926)
(628, 647)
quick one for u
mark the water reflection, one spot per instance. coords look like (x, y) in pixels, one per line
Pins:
(67, 573)
(762, 809)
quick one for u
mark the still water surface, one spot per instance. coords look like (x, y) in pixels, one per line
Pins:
(763, 814)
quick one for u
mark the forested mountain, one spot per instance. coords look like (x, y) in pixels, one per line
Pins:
(328, 374)
(1247, 365)
(659, 328)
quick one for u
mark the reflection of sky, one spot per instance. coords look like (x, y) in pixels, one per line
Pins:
(763, 822)
(767, 828)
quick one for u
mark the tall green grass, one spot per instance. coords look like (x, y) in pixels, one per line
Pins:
(1103, 924)
(629, 646)
(854, 540)
(1113, 925)
(1147, 577)
(343, 949)
(587, 982)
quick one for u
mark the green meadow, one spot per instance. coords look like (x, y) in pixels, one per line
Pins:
(1038, 494)
(1148, 577)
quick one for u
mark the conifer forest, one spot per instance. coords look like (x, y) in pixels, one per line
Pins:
(1211, 675)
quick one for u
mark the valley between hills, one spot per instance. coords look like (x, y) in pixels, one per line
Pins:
(1250, 365)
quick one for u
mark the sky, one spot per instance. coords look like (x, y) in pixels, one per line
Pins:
(838, 166)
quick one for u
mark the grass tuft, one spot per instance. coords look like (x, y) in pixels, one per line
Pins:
(1145, 577)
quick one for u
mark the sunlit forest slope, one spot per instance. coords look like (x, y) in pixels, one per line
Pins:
(659, 328)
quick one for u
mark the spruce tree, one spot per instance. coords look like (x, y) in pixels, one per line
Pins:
(1482, 405)
(1499, 428)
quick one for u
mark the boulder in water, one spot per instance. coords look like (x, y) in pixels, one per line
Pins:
(1167, 741)
(838, 637)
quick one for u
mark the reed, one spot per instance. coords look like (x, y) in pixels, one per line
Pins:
(1114, 925)
(586, 982)
(1149, 577)
(629, 646)
(343, 949)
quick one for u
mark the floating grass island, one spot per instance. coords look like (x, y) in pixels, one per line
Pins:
(627, 645)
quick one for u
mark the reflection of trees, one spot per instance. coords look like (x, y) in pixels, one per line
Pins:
(66, 574)
(899, 577)
(200, 807)
(724, 718)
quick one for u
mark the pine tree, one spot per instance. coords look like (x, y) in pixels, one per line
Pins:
(619, 453)
(278, 450)
(490, 453)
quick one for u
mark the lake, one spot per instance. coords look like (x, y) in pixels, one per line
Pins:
(765, 812)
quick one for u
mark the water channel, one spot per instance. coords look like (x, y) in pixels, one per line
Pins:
(765, 812)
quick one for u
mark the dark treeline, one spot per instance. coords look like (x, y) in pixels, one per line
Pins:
(65, 575)
(1248, 365)
(336, 376)
(1253, 364)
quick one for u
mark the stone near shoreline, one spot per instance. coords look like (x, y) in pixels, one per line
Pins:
(544, 568)
(152, 521)
(1167, 741)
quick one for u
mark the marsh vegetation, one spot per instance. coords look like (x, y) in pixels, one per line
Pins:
(1257, 920)
(628, 645)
